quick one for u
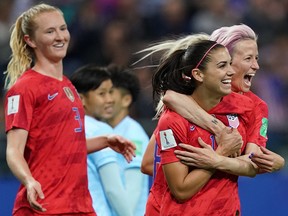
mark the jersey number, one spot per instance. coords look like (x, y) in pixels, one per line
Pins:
(77, 118)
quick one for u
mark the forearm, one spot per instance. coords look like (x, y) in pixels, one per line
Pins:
(148, 158)
(189, 109)
(134, 183)
(184, 184)
(18, 166)
(114, 189)
(195, 181)
(240, 166)
(96, 143)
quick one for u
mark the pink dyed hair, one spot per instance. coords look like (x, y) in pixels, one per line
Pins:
(229, 36)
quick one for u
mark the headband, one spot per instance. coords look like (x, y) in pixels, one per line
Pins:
(205, 55)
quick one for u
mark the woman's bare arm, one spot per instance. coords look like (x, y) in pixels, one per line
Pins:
(148, 158)
(190, 110)
(207, 158)
(183, 183)
(16, 142)
(115, 142)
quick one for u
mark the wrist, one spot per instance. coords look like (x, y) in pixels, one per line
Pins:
(27, 179)
(217, 126)
(218, 163)
(220, 151)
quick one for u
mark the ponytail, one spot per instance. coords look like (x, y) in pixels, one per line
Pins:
(169, 75)
(21, 58)
(22, 54)
(170, 46)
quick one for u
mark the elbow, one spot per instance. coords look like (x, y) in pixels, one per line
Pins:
(252, 174)
(181, 197)
(182, 194)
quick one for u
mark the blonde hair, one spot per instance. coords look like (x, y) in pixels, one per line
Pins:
(22, 54)
(159, 108)
(170, 46)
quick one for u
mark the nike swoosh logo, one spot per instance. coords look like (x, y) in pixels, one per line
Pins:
(51, 97)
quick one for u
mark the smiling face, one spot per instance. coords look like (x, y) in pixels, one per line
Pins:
(245, 64)
(51, 36)
(98, 103)
(216, 79)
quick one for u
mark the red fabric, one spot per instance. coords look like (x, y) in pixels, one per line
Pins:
(261, 112)
(52, 112)
(220, 195)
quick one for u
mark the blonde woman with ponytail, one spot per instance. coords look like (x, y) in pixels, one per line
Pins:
(46, 146)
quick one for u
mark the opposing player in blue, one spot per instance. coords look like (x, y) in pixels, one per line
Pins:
(108, 193)
(126, 89)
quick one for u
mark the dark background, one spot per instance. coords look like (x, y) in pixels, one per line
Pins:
(111, 31)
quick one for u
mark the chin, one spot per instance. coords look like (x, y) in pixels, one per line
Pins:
(226, 91)
(245, 90)
(107, 116)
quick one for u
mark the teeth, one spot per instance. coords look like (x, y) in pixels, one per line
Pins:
(59, 45)
(226, 81)
(252, 75)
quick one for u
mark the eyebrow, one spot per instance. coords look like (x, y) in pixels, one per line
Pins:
(221, 62)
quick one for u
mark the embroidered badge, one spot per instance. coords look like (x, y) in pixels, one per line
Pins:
(233, 120)
(167, 139)
(13, 104)
(69, 93)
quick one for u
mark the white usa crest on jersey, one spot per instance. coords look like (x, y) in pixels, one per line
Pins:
(233, 120)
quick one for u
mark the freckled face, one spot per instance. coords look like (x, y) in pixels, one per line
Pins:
(245, 64)
(51, 37)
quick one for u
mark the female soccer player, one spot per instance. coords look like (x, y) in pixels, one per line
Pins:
(203, 72)
(46, 146)
(241, 42)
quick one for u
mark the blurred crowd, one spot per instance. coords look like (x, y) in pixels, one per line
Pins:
(112, 31)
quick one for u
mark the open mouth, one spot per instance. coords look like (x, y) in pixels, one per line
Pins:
(248, 77)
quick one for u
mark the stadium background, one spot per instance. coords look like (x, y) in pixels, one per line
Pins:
(105, 31)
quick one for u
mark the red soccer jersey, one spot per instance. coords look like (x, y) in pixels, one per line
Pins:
(261, 122)
(154, 200)
(220, 195)
(51, 111)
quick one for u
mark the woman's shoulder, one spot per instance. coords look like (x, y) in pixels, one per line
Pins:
(172, 119)
(256, 99)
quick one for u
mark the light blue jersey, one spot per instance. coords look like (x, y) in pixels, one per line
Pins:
(133, 131)
(95, 160)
